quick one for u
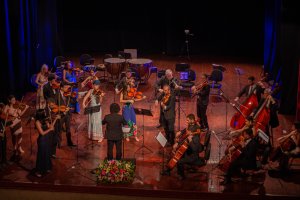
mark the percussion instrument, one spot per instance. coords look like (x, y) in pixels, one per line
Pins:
(114, 66)
(141, 66)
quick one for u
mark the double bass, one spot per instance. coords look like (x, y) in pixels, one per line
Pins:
(182, 147)
(245, 109)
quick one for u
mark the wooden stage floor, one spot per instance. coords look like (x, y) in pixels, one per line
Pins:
(148, 181)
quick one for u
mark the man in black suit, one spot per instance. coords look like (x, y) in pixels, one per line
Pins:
(202, 102)
(114, 133)
(167, 79)
(250, 89)
(167, 106)
(65, 116)
(48, 91)
(247, 159)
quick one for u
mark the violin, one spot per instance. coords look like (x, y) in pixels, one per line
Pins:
(199, 88)
(70, 94)
(55, 85)
(133, 93)
(19, 105)
(166, 98)
(56, 109)
(98, 93)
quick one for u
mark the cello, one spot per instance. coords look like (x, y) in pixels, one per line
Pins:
(181, 149)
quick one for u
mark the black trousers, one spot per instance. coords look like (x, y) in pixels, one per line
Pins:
(168, 125)
(3, 141)
(186, 159)
(55, 139)
(110, 146)
(236, 167)
(201, 113)
(67, 121)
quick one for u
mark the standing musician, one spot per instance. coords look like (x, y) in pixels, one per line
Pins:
(170, 80)
(15, 110)
(202, 92)
(191, 155)
(88, 82)
(289, 145)
(45, 128)
(250, 89)
(167, 107)
(4, 122)
(128, 96)
(41, 80)
(63, 101)
(69, 76)
(124, 81)
(247, 158)
(50, 89)
(94, 98)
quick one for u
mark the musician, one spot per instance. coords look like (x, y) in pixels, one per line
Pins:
(167, 107)
(114, 133)
(167, 79)
(65, 100)
(250, 89)
(48, 90)
(202, 102)
(247, 159)
(88, 82)
(69, 77)
(289, 147)
(191, 155)
(238, 132)
(45, 129)
(94, 119)
(124, 81)
(14, 110)
(128, 99)
(4, 122)
(41, 80)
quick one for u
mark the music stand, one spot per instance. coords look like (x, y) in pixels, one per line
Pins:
(239, 72)
(162, 141)
(87, 111)
(140, 111)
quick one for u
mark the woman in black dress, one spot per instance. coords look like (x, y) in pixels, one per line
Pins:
(45, 129)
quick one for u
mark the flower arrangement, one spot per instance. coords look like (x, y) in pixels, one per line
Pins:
(115, 171)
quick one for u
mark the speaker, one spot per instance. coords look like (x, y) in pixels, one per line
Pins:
(181, 67)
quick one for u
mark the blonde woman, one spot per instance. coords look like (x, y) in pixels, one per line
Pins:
(41, 80)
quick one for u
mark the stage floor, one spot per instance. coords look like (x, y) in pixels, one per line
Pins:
(148, 180)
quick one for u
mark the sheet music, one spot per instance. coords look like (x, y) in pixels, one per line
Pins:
(161, 139)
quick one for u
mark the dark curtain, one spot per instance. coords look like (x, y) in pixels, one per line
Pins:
(29, 38)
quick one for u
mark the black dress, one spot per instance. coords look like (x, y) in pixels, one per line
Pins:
(43, 158)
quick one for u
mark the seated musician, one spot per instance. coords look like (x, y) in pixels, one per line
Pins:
(124, 81)
(289, 147)
(238, 132)
(191, 155)
(250, 89)
(247, 159)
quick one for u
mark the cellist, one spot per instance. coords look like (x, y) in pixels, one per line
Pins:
(191, 155)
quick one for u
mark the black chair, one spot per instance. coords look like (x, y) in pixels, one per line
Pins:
(86, 59)
(122, 54)
(215, 79)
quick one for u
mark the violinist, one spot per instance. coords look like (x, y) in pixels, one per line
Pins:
(250, 89)
(94, 98)
(246, 160)
(167, 109)
(4, 122)
(167, 79)
(63, 100)
(69, 77)
(88, 82)
(51, 88)
(15, 111)
(128, 97)
(202, 101)
(41, 80)
(289, 146)
(45, 130)
(191, 155)
(124, 81)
